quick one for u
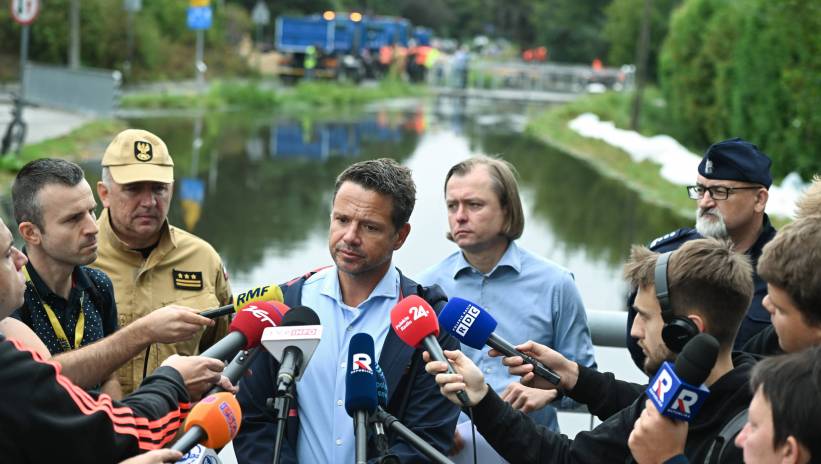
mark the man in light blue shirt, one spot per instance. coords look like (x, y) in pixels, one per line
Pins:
(530, 297)
(372, 203)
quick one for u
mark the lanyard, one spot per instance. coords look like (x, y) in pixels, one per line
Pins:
(55, 323)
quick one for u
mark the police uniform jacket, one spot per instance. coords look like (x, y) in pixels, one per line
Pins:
(182, 269)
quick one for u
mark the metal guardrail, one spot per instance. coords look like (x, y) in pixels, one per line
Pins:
(608, 328)
(84, 90)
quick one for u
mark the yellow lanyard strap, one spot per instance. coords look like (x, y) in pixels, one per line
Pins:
(55, 323)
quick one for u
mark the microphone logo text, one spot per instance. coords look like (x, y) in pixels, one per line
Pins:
(361, 362)
(467, 320)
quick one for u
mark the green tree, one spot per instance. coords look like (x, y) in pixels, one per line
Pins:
(623, 23)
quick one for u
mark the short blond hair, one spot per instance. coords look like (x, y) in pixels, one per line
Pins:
(810, 202)
(705, 276)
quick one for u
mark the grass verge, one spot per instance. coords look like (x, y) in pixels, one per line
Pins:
(645, 178)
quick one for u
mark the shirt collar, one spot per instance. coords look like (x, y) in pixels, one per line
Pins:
(78, 279)
(511, 259)
(388, 287)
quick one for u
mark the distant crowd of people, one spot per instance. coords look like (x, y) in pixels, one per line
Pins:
(100, 333)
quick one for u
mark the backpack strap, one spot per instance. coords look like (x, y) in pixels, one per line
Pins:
(725, 437)
(436, 297)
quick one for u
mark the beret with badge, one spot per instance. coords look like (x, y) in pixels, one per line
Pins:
(736, 159)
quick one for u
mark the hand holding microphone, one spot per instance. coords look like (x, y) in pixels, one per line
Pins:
(674, 398)
(466, 379)
(474, 327)
(213, 422)
(414, 321)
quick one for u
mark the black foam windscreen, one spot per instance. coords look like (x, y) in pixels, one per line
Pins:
(300, 315)
(697, 358)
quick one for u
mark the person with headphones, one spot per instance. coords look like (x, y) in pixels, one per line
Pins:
(704, 286)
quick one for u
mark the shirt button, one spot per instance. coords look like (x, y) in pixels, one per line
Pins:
(338, 442)
(342, 365)
(339, 402)
(488, 370)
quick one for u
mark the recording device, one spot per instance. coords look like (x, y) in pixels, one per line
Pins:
(678, 392)
(264, 293)
(474, 327)
(246, 329)
(414, 321)
(360, 390)
(292, 344)
(213, 422)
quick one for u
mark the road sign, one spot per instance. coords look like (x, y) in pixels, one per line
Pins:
(261, 15)
(25, 11)
(199, 2)
(199, 17)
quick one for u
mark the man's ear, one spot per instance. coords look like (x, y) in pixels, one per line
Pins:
(102, 192)
(30, 233)
(401, 236)
(761, 198)
(793, 452)
(698, 321)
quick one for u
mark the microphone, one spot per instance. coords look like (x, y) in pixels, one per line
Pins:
(264, 293)
(213, 422)
(246, 329)
(474, 327)
(292, 344)
(360, 390)
(414, 321)
(678, 392)
(413, 439)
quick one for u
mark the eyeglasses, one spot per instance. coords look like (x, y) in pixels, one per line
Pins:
(717, 192)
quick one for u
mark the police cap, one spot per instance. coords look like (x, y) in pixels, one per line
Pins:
(736, 159)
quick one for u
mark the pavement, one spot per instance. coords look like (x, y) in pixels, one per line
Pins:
(43, 123)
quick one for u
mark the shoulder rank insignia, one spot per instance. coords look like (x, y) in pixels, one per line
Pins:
(187, 280)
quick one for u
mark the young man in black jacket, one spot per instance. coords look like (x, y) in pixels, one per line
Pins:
(44, 417)
(710, 288)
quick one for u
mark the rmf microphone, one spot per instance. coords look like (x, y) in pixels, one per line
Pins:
(292, 344)
(214, 422)
(246, 330)
(360, 390)
(264, 293)
(474, 327)
(678, 392)
(414, 321)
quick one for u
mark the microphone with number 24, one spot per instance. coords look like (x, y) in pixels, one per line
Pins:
(414, 321)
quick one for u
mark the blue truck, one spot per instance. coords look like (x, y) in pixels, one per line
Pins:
(346, 45)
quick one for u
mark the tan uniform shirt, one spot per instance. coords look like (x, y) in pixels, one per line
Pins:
(183, 269)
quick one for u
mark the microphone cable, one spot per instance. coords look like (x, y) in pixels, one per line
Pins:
(472, 433)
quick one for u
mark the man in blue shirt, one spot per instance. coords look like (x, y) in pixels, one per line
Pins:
(530, 297)
(373, 201)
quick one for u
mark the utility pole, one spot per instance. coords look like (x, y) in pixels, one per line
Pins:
(74, 34)
(641, 64)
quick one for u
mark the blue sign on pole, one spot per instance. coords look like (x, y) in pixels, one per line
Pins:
(199, 17)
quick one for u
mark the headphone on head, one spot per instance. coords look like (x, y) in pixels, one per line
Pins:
(677, 330)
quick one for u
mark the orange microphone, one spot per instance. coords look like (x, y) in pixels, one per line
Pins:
(214, 422)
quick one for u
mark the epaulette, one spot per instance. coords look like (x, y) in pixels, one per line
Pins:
(685, 233)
